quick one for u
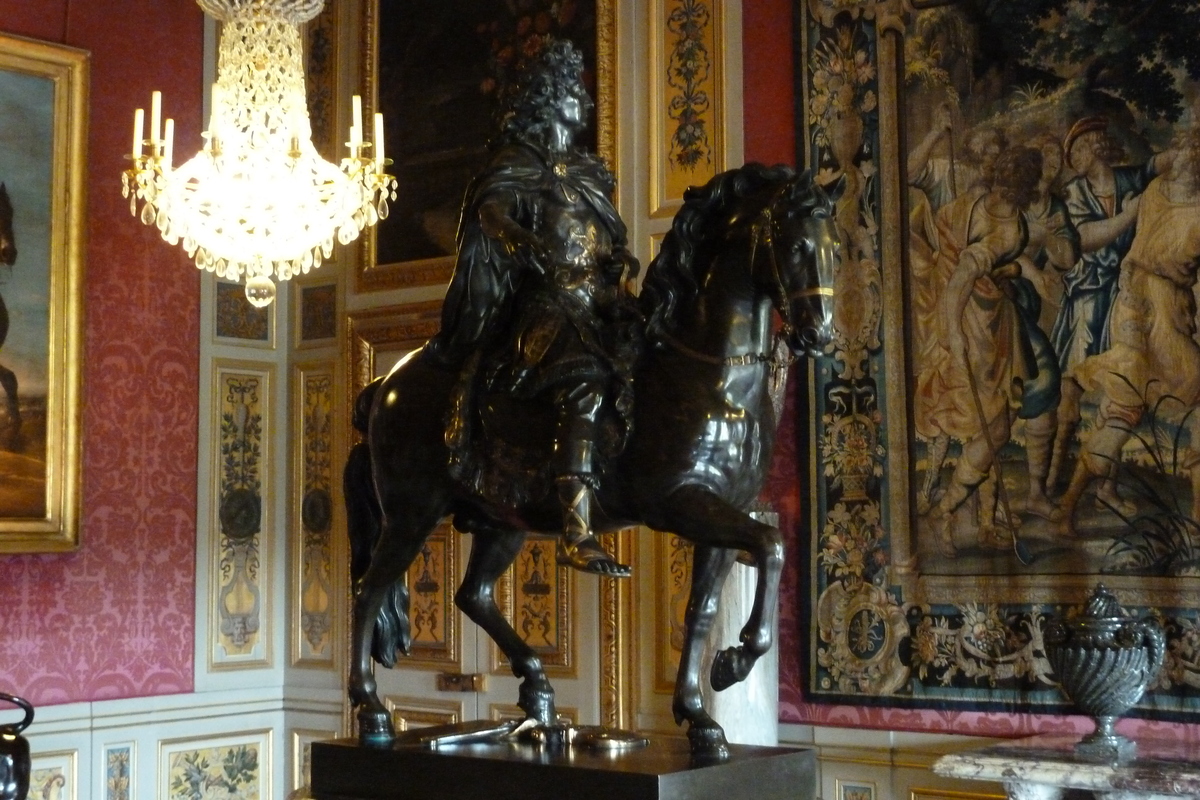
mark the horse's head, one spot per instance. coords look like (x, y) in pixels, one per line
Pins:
(798, 230)
(8, 245)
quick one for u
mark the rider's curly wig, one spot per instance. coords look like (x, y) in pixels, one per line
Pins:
(535, 98)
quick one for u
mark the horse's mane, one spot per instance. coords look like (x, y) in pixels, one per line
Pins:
(709, 215)
(6, 208)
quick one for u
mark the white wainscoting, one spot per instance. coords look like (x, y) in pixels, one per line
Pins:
(77, 738)
(859, 764)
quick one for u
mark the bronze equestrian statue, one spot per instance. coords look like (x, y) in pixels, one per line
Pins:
(540, 349)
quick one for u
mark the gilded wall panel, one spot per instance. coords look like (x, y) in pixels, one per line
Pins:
(241, 591)
(537, 597)
(673, 563)
(686, 100)
(312, 517)
(55, 775)
(433, 617)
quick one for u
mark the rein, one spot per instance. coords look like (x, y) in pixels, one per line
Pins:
(779, 356)
(743, 360)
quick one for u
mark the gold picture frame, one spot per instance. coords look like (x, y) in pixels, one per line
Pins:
(421, 268)
(44, 88)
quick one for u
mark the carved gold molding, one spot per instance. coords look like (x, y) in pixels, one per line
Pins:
(409, 713)
(673, 585)
(314, 576)
(433, 617)
(398, 327)
(618, 669)
(686, 101)
(947, 794)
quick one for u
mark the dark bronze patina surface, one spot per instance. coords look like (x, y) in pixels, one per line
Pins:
(15, 759)
(552, 401)
(664, 770)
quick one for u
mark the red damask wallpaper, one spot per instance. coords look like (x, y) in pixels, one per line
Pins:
(116, 618)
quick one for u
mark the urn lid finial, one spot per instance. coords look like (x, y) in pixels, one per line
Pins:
(1103, 604)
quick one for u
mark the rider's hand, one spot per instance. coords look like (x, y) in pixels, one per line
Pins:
(524, 247)
(622, 264)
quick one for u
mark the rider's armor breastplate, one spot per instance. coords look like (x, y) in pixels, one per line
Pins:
(578, 245)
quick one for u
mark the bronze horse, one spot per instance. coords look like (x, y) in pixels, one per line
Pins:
(750, 241)
(8, 257)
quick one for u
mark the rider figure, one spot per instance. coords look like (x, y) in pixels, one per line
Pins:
(537, 306)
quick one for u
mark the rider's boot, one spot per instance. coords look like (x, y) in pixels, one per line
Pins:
(576, 482)
(577, 547)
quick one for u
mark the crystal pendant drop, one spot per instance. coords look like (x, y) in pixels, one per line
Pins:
(260, 291)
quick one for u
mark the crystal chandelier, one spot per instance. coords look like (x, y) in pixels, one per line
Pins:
(257, 201)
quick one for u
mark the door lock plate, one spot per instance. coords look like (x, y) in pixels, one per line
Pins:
(459, 682)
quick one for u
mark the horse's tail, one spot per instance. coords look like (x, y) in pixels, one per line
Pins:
(364, 523)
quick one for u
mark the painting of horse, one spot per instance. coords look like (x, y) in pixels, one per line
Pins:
(8, 379)
(43, 122)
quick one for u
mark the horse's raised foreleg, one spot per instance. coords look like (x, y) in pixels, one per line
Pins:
(710, 567)
(492, 551)
(705, 519)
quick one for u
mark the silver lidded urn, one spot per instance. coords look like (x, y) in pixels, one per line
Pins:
(1104, 660)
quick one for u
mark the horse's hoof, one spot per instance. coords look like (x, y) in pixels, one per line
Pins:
(375, 728)
(729, 667)
(536, 699)
(708, 742)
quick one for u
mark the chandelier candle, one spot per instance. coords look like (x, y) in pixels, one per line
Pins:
(257, 203)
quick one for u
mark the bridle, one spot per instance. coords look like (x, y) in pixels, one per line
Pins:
(778, 355)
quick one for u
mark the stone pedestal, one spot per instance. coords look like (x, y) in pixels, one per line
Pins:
(1045, 767)
(663, 770)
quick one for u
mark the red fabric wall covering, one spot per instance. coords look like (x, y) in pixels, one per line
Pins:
(770, 131)
(116, 618)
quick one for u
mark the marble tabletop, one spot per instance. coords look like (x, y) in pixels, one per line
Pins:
(1160, 768)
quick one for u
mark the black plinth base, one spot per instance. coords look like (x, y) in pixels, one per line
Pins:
(664, 770)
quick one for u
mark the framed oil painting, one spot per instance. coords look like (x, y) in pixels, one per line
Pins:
(435, 70)
(43, 128)
(1009, 412)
